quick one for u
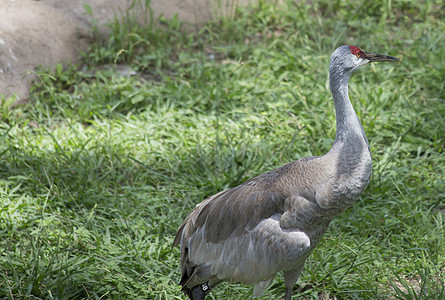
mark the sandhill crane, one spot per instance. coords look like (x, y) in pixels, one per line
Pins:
(272, 222)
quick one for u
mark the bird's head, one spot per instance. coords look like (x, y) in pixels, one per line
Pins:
(347, 58)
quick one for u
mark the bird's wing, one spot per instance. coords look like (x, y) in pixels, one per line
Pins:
(234, 210)
(249, 258)
(236, 234)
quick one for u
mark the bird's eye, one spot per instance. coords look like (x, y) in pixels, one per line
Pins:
(359, 54)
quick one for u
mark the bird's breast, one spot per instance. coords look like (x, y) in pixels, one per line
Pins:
(354, 176)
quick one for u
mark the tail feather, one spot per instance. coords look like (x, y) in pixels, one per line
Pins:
(197, 292)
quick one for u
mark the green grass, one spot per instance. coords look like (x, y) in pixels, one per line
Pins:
(98, 170)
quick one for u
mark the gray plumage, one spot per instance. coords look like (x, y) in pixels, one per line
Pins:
(272, 222)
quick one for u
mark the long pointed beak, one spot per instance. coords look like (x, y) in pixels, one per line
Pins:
(378, 57)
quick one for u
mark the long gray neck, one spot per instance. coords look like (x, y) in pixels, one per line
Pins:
(348, 124)
(351, 147)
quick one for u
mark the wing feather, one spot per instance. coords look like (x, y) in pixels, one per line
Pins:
(254, 256)
(233, 210)
(236, 234)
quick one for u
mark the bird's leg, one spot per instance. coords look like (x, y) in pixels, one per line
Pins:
(199, 292)
(290, 278)
(288, 294)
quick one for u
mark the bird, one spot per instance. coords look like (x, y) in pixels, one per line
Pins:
(272, 222)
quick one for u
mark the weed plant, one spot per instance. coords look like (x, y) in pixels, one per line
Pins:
(99, 169)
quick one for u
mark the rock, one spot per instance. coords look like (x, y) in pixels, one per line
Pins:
(47, 32)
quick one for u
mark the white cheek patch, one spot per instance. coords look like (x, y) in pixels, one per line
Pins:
(365, 61)
(362, 61)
